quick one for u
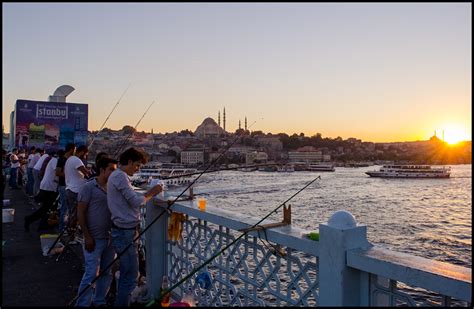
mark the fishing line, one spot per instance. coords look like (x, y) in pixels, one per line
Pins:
(227, 246)
(117, 149)
(124, 143)
(108, 116)
(167, 210)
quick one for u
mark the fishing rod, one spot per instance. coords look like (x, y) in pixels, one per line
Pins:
(247, 230)
(119, 149)
(103, 124)
(170, 203)
(73, 217)
(89, 147)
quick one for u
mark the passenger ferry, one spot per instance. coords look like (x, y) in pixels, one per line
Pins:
(156, 170)
(320, 167)
(411, 171)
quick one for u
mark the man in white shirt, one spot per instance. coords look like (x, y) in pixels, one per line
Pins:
(33, 157)
(76, 174)
(14, 165)
(36, 171)
(48, 192)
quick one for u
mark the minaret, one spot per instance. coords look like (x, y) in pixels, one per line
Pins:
(224, 119)
(245, 123)
(219, 118)
(239, 124)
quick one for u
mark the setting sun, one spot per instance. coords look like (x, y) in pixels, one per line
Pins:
(454, 134)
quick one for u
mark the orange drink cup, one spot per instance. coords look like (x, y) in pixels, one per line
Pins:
(202, 204)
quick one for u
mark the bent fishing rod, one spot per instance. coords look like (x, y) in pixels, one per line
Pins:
(167, 210)
(124, 143)
(106, 119)
(247, 230)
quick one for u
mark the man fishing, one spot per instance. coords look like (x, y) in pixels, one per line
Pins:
(94, 218)
(124, 204)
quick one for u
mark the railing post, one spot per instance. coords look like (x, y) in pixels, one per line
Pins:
(155, 245)
(340, 285)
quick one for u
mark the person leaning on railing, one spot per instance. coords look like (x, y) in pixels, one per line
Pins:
(124, 205)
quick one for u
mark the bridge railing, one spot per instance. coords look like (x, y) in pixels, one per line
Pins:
(281, 266)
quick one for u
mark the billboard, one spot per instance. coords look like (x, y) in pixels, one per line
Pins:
(50, 125)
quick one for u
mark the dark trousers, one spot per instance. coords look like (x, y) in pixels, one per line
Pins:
(48, 198)
(13, 177)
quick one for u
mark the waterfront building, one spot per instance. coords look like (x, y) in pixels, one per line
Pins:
(192, 157)
(256, 156)
(305, 154)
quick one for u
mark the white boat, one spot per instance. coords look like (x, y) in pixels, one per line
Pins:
(320, 167)
(285, 168)
(248, 169)
(411, 171)
(162, 171)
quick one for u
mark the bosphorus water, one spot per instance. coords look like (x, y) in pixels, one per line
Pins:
(430, 218)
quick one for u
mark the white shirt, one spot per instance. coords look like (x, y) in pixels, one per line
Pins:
(14, 157)
(32, 159)
(74, 178)
(50, 181)
(40, 162)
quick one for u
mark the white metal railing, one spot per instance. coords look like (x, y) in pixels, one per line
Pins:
(342, 269)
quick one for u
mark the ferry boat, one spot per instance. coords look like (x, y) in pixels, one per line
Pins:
(320, 167)
(411, 171)
(285, 168)
(162, 171)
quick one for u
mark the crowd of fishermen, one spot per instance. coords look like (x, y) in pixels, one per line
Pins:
(98, 202)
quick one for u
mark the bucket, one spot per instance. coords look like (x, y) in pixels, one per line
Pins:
(47, 241)
(7, 215)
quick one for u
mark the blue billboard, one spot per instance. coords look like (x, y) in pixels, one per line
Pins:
(50, 125)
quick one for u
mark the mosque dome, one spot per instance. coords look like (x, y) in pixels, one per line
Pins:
(208, 127)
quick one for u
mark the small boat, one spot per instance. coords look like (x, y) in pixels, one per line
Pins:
(411, 171)
(270, 168)
(285, 168)
(248, 169)
(320, 167)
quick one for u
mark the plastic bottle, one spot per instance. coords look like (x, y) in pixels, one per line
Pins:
(165, 301)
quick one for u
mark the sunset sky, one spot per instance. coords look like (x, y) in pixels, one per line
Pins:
(381, 72)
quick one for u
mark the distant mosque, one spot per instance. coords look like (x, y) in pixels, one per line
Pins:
(209, 127)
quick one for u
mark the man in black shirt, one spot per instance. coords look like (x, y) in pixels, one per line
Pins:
(70, 151)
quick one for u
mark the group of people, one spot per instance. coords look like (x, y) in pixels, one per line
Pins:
(104, 204)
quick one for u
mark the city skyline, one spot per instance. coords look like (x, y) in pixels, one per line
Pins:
(378, 72)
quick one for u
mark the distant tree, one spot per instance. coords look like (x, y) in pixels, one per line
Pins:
(128, 130)
(186, 133)
(255, 133)
(240, 131)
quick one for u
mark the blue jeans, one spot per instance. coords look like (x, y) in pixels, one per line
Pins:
(63, 209)
(101, 257)
(128, 264)
(31, 181)
(13, 177)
